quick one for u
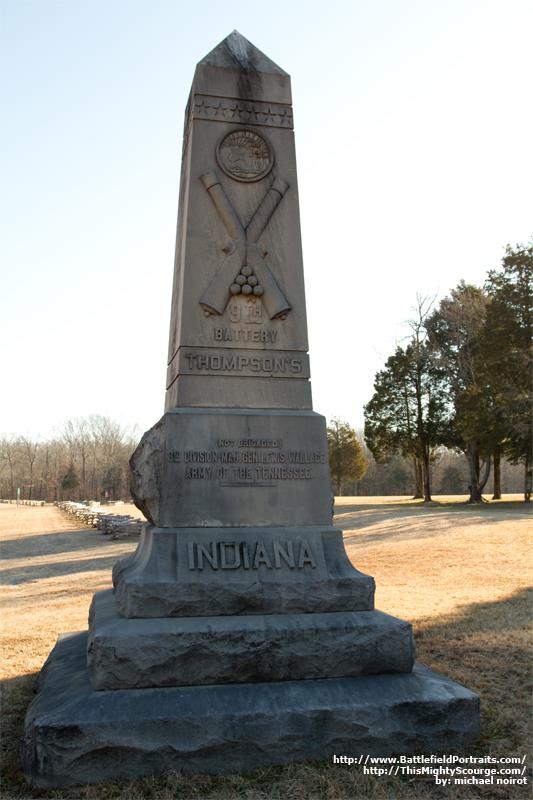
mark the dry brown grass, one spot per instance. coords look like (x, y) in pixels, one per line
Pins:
(459, 573)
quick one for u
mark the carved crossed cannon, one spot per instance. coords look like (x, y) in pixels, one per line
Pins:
(243, 251)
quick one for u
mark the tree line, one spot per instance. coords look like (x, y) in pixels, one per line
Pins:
(86, 460)
(459, 391)
(462, 381)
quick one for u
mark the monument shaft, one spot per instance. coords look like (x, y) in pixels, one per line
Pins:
(238, 331)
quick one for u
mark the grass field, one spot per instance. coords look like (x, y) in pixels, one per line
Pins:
(459, 573)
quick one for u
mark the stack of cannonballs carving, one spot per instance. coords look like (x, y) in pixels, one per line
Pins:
(246, 283)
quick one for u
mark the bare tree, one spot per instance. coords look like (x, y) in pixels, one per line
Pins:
(29, 449)
(10, 453)
(95, 449)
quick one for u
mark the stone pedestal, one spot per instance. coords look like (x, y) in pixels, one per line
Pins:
(218, 571)
(77, 735)
(185, 651)
(214, 468)
(239, 633)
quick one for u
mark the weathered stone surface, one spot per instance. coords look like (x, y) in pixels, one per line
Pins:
(195, 572)
(76, 735)
(241, 70)
(197, 391)
(235, 483)
(210, 468)
(239, 210)
(135, 653)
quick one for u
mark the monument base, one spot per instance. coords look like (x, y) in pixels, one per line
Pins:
(204, 572)
(185, 651)
(74, 735)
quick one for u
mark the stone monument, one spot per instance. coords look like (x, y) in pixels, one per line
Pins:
(239, 633)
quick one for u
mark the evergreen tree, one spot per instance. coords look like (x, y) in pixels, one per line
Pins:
(455, 332)
(347, 460)
(508, 358)
(408, 413)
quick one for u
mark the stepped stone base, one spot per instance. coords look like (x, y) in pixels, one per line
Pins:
(75, 735)
(199, 572)
(137, 653)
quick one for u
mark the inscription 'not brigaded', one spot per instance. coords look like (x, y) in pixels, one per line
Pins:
(245, 555)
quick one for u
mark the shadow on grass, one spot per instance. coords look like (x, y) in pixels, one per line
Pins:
(399, 521)
(488, 647)
(436, 506)
(484, 646)
(89, 551)
(52, 569)
(51, 542)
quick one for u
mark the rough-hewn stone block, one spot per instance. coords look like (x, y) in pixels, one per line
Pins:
(218, 571)
(76, 735)
(135, 653)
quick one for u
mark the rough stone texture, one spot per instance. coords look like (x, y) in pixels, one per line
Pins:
(211, 468)
(76, 735)
(157, 581)
(135, 653)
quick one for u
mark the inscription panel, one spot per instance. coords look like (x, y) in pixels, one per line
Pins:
(246, 311)
(239, 362)
(247, 462)
(245, 469)
(252, 555)
(248, 554)
(253, 335)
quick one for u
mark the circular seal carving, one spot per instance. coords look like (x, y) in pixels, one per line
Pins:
(245, 155)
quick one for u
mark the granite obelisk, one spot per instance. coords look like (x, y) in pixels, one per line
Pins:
(239, 633)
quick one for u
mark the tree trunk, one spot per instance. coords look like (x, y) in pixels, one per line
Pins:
(478, 477)
(484, 474)
(419, 484)
(12, 480)
(475, 486)
(83, 487)
(528, 479)
(427, 476)
(45, 476)
(497, 473)
(421, 434)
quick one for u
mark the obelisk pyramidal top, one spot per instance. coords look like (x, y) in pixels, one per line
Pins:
(238, 330)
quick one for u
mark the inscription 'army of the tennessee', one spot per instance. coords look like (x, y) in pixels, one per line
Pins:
(247, 462)
(246, 555)
(251, 476)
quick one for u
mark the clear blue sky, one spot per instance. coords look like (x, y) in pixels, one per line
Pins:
(414, 131)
